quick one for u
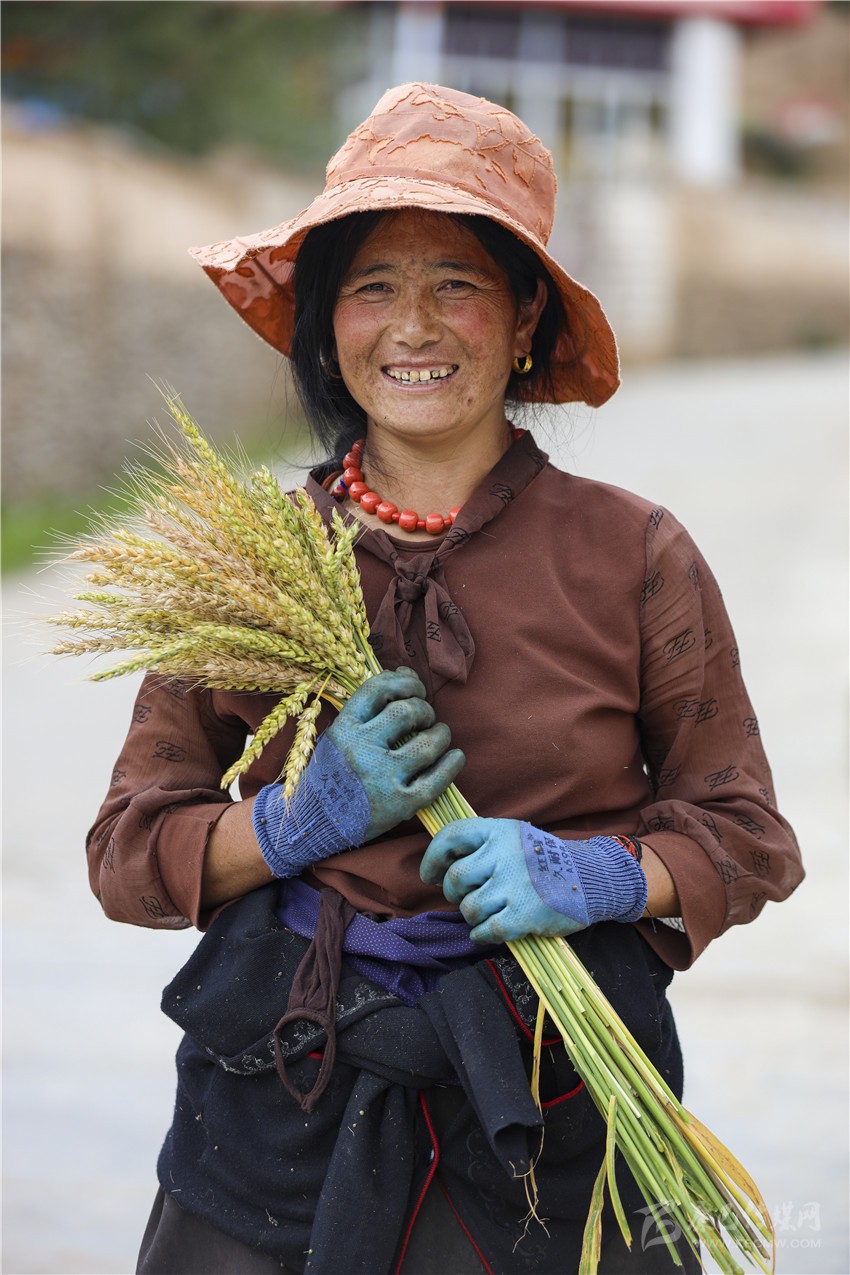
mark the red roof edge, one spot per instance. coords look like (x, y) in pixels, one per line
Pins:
(740, 12)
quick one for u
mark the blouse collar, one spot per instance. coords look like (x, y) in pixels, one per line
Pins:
(419, 578)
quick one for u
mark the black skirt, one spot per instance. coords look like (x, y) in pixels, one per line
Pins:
(412, 1161)
(176, 1243)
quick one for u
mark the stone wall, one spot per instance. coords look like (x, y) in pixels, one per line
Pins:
(762, 267)
(101, 300)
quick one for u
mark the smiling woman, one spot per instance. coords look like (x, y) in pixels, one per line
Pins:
(325, 259)
(425, 330)
(560, 641)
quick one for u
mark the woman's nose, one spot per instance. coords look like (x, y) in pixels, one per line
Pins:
(417, 320)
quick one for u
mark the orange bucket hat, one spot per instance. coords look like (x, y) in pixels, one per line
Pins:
(435, 148)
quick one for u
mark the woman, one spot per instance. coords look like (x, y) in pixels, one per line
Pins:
(560, 642)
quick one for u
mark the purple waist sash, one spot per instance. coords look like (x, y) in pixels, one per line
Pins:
(408, 955)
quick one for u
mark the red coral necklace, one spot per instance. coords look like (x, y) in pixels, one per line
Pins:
(353, 484)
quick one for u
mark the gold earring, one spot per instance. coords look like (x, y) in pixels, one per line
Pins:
(523, 368)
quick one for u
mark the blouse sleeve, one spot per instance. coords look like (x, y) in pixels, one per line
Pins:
(713, 821)
(147, 845)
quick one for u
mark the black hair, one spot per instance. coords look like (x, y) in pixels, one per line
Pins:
(320, 266)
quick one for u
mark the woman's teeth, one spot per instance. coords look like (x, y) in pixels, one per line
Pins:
(419, 374)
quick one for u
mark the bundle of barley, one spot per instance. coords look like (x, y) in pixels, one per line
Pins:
(235, 584)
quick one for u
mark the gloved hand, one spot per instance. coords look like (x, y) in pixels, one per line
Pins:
(357, 783)
(510, 879)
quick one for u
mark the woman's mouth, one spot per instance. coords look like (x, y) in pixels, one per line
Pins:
(420, 375)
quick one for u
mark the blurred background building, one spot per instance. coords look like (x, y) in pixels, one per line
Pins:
(701, 148)
(657, 111)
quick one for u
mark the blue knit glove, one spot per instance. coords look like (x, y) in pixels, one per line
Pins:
(360, 781)
(510, 879)
(399, 778)
(329, 812)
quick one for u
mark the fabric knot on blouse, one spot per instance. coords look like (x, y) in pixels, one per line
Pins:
(417, 598)
(449, 645)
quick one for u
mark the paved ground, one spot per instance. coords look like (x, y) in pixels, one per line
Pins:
(752, 457)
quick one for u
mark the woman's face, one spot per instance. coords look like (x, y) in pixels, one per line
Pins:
(426, 327)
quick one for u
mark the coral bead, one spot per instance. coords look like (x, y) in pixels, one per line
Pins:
(350, 459)
(356, 490)
(408, 520)
(434, 524)
(339, 492)
(370, 501)
(385, 510)
(352, 475)
(453, 513)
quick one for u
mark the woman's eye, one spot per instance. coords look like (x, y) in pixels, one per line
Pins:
(373, 289)
(454, 285)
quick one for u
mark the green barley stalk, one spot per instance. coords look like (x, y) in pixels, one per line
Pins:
(237, 585)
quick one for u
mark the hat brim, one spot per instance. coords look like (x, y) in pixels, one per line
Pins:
(256, 276)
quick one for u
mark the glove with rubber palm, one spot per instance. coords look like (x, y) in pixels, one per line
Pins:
(511, 879)
(361, 779)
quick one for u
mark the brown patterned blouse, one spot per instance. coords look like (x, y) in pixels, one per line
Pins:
(575, 641)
